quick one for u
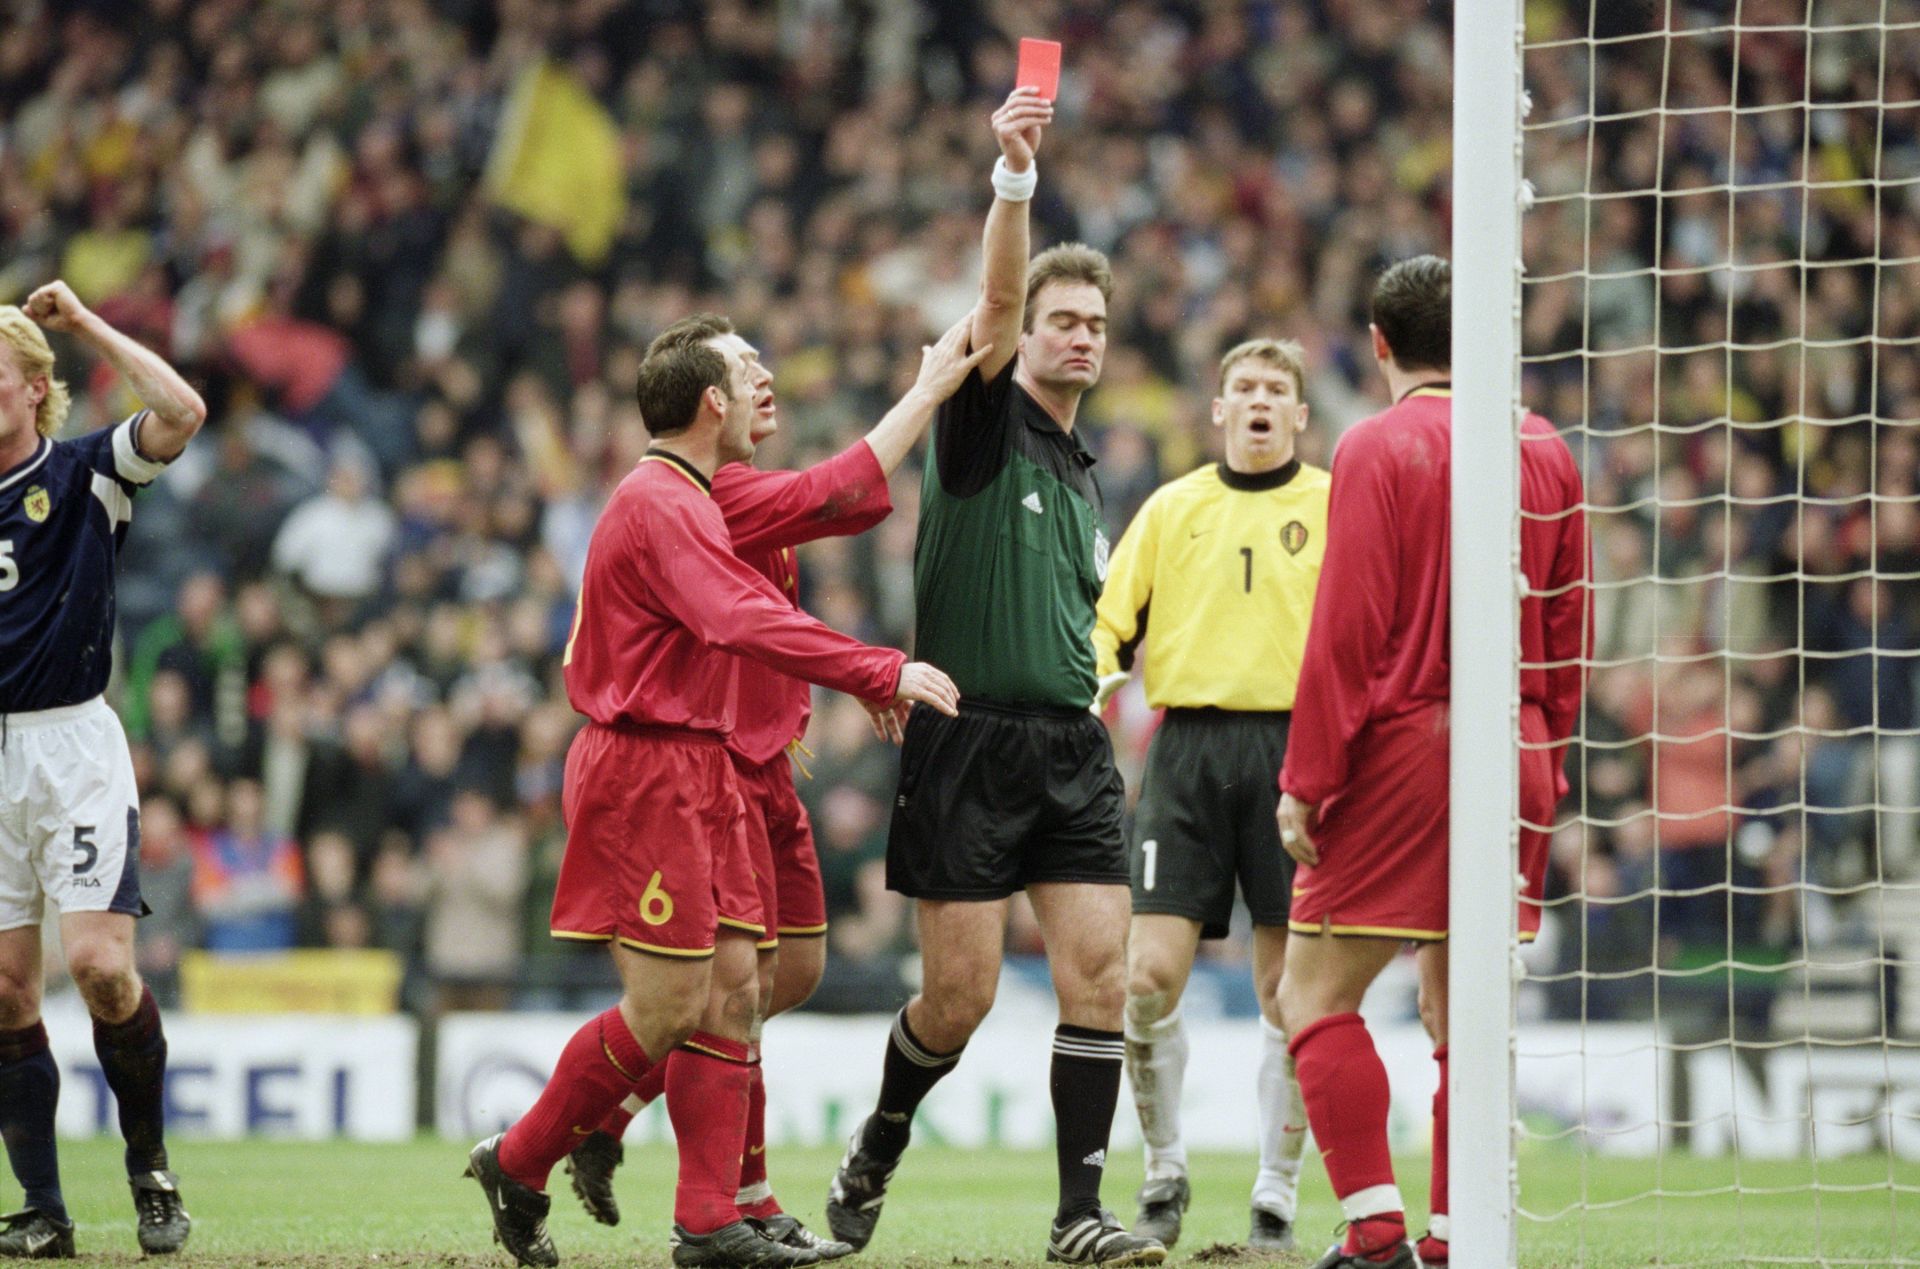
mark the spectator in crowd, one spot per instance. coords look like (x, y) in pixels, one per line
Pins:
(166, 885)
(335, 543)
(476, 870)
(247, 881)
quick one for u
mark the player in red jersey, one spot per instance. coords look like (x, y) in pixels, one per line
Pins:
(656, 862)
(1364, 786)
(769, 514)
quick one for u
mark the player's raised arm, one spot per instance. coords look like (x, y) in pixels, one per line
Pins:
(845, 494)
(176, 409)
(997, 319)
(943, 367)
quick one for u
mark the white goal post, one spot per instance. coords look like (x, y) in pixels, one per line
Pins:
(1484, 777)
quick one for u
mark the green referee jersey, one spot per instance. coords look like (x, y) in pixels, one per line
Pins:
(1216, 575)
(1010, 556)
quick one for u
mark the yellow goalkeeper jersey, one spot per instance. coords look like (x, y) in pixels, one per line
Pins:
(1216, 576)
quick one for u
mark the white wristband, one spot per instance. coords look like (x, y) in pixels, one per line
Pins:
(1014, 187)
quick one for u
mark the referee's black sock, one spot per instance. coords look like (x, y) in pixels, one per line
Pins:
(29, 1093)
(910, 1073)
(1086, 1084)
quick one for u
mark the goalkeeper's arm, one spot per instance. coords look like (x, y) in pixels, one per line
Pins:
(1120, 618)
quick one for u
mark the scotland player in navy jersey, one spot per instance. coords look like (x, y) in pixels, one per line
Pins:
(69, 818)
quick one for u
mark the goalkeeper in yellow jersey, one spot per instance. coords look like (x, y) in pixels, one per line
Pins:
(1216, 577)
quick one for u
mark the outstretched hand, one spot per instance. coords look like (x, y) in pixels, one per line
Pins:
(944, 366)
(1017, 126)
(922, 683)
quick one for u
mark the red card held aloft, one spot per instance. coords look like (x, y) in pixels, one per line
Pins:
(1039, 67)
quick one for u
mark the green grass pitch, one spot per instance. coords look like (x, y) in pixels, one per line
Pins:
(279, 1203)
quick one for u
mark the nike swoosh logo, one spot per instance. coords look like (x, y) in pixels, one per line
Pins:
(758, 1150)
(35, 1245)
(1196, 533)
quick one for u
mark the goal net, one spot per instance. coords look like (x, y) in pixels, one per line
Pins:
(1715, 1054)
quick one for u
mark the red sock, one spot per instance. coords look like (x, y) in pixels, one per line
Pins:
(1437, 1227)
(708, 1083)
(597, 1068)
(648, 1087)
(756, 1194)
(1345, 1087)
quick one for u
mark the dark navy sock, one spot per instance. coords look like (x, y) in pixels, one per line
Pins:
(133, 1057)
(29, 1093)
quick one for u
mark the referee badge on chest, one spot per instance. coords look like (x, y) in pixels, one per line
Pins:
(38, 504)
(1100, 552)
(1293, 536)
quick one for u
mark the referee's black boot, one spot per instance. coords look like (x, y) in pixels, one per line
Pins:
(858, 1189)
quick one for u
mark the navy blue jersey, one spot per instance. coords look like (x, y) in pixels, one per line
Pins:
(63, 515)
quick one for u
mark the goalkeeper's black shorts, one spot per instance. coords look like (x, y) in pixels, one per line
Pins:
(1206, 819)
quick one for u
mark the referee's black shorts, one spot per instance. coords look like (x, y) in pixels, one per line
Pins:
(1206, 819)
(1002, 797)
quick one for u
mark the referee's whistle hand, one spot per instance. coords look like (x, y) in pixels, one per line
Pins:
(1293, 818)
(926, 685)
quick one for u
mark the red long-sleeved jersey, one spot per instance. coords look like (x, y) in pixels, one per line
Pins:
(664, 592)
(1378, 646)
(768, 513)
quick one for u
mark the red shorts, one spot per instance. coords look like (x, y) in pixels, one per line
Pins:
(657, 852)
(784, 854)
(1383, 841)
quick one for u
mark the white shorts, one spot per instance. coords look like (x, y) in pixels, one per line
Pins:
(69, 814)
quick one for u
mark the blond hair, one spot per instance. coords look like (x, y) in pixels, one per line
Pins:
(28, 344)
(1287, 354)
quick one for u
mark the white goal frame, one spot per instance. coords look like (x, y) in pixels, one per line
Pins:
(1483, 823)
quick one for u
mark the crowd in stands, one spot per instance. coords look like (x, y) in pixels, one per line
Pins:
(343, 609)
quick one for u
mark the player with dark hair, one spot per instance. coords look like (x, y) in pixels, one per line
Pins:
(768, 515)
(1019, 791)
(657, 863)
(69, 811)
(1215, 580)
(1364, 787)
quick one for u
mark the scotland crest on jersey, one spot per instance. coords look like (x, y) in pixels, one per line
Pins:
(63, 516)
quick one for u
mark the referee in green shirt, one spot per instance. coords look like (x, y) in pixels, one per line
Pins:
(1020, 791)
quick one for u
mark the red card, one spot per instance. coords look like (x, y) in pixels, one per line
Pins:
(1039, 67)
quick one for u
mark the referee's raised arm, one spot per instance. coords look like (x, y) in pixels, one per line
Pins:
(997, 319)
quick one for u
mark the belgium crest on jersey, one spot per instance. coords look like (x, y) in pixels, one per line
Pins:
(38, 504)
(1293, 536)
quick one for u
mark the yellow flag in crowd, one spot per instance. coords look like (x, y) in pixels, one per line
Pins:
(557, 160)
